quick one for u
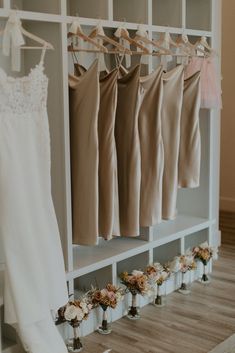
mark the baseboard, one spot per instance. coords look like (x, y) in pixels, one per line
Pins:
(227, 204)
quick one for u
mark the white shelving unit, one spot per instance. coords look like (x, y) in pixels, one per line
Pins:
(197, 209)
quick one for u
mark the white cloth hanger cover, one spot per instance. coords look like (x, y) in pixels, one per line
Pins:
(12, 41)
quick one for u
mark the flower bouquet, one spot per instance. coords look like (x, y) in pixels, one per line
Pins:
(183, 264)
(109, 297)
(136, 283)
(74, 313)
(205, 253)
(157, 275)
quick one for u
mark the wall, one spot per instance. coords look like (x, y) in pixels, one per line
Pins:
(227, 193)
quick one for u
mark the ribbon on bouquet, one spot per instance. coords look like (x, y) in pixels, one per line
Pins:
(12, 41)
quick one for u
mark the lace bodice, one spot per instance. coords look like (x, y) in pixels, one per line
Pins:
(23, 95)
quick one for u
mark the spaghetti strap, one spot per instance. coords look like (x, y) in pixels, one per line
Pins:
(119, 60)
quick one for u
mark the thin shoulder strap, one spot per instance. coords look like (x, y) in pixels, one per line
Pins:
(119, 59)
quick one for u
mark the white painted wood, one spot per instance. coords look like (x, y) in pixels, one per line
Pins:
(167, 13)
(6, 4)
(110, 10)
(88, 258)
(66, 138)
(183, 14)
(198, 209)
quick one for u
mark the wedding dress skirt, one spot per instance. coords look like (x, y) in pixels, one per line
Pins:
(35, 281)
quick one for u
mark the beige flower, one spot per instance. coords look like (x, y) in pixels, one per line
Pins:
(70, 312)
(79, 314)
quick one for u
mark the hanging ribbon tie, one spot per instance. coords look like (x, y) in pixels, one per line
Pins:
(12, 41)
(124, 42)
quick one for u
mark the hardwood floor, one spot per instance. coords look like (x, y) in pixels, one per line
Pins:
(187, 324)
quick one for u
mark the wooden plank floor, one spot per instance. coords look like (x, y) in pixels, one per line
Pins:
(187, 324)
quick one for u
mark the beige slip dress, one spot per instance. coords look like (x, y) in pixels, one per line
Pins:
(108, 184)
(173, 85)
(190, 138)
(128, 151)
(151, 147)
(84, 99)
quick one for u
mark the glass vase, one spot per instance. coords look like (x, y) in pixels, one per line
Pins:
(158, 300)
(74, 344)
(105, 328)
(184, 288)
(205, 279)
(133, 312)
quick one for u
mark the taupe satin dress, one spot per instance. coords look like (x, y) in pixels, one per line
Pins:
(190, 138)
(84, 99)
(108, 184)
(151, 147)
(128, 151)
(173, 85)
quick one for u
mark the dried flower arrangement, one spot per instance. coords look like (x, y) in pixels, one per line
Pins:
(157, 275)
(137, 282)
(204, 253)
(74, 313)
(108, 297)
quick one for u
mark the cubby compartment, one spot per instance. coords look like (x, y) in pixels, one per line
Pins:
(53, 70)
(88, 8)
(51, 7)
(166, 252)
(198, 14)
(196, 239)
(86, 59)
(125, 11)
(190, 242)
(1, 3)
(167, 62)
(137, 262)
(98, 278)
(167, 13)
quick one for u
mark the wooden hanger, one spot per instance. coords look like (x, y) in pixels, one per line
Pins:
(14, 20)
(123, 33)
(203, 46)
(142, 35)
(98, 32)
(76, 31)
(184, 42)
(165, 39)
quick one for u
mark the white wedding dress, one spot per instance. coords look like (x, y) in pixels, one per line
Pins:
(35, 282)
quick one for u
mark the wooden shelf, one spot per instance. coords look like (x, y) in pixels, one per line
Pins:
(118, 249)
(182, 226)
